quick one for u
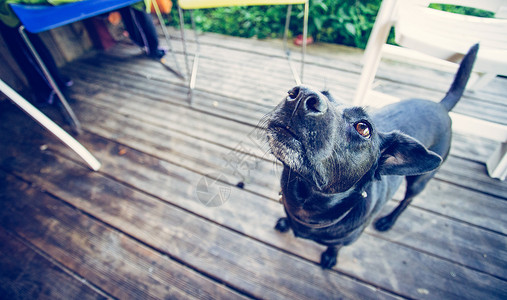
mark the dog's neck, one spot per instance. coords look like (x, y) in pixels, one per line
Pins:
(316, 209)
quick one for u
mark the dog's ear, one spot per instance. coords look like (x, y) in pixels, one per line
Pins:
(401, 154)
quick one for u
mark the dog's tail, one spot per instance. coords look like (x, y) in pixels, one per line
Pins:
(460, 80)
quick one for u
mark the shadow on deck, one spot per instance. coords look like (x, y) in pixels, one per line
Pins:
(153, 222)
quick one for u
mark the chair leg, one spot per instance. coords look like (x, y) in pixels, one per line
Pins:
(38, 116)
(497, 163)
(286, 31)
(168, 40)
(286, 49)
(192, 74)
(372, 55)
(483, 80)
(305, 36)
(297, 78)
(193, 77)
(67, 109)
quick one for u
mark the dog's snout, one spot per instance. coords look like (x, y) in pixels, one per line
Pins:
(309, 102)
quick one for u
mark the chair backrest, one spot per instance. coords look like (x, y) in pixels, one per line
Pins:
(439, 34)
(495, 6)
(198, 4)
(443, 34)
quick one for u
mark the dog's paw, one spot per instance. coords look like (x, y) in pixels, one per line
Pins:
(282, 225)
(383, 224)
(329, 258)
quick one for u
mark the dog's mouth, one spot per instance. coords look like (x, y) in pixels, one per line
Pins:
(284, 131)
(285, 145)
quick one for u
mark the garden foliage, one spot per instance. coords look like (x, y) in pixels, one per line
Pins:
(346, 22)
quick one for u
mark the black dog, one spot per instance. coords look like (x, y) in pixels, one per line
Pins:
(342, 165)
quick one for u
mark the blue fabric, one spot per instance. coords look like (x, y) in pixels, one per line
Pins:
(38, 18)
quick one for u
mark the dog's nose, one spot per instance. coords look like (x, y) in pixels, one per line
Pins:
(308, 101)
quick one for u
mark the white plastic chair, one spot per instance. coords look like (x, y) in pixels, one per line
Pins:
(201, 4)
(445, 36)
(440, 34)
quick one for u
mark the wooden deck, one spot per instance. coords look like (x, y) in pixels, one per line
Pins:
(144, 226)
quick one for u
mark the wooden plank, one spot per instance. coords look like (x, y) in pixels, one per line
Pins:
(213, 77)
(26, 274)
(464, 217)
(182, 119)
(346, 58)
(462, 243)
(263, 171)
(245, 264)
(392, 68)
(192, 123)
(454, 167)
(472, 147)
(183, 150)
(477, 108)
(458, 232)
(460, 203)
(341, 57)
(470, 107)
(246, 209)
(243, 73)
(471, 175)
(143, 175)
(218, 105)
(107, 258)
(153, 174)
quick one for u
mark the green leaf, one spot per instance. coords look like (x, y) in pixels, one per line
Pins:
(350, 28)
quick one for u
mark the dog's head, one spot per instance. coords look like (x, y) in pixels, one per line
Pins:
(333, 146)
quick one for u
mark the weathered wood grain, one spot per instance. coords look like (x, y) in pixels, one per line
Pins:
(156, 150)
(143, 180)
(245, 264)
(26, 274)
(231, 67)
(107, 258)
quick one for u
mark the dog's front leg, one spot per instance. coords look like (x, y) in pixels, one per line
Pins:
(329, 258)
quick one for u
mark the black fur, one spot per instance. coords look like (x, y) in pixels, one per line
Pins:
(341, 165)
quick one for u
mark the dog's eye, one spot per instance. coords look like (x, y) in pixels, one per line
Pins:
(363, 129)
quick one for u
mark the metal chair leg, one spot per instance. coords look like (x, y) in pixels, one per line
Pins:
(33, 112)
(197, 53)
(67, 109)
(286, 49)
(176, 71)
(286, 31)
(192, 74)
(305, 36)
(297, 78)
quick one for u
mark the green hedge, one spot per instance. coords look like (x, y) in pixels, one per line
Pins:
(346, 22)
